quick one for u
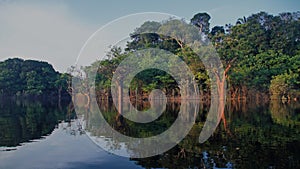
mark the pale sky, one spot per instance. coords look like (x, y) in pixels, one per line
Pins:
(55, 31)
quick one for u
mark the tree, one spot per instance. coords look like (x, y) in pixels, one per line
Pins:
(62, 84)
(217, 30)
(201, 20)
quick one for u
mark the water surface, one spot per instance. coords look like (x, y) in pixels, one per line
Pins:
(43, 134)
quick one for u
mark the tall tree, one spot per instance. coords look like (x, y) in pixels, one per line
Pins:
(201, 20)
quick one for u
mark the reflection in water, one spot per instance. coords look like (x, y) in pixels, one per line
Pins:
(60, 150)
(285, 114)
(253, 135)
(146, 139)
(26, 120)
(256, 135)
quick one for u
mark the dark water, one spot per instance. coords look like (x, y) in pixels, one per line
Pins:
(44, 134)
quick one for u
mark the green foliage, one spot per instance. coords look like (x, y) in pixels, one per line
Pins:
(28, 77)
(282, 84)
(264, 46)
(201, 20)
(261, 49)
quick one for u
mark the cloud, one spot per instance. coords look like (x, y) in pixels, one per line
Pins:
(44, 32)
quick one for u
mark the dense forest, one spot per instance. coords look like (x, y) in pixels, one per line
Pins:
(260, 56)
(20, 77)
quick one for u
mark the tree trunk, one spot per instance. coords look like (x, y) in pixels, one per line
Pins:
(222, 91)
(120, 97)
(221, 79)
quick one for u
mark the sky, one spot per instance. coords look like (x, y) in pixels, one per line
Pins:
(56, 31)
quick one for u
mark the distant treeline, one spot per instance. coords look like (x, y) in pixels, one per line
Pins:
(20, 77)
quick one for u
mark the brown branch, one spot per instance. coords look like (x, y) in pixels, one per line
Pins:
(229, 66)
(227, 69)
(179, 42)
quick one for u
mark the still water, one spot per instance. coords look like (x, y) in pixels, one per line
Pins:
(44, 134)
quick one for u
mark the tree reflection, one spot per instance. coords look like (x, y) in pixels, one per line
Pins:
(255, 141)
(25, 120)
(285, 113)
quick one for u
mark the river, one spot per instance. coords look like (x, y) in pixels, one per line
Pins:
(47, 134)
